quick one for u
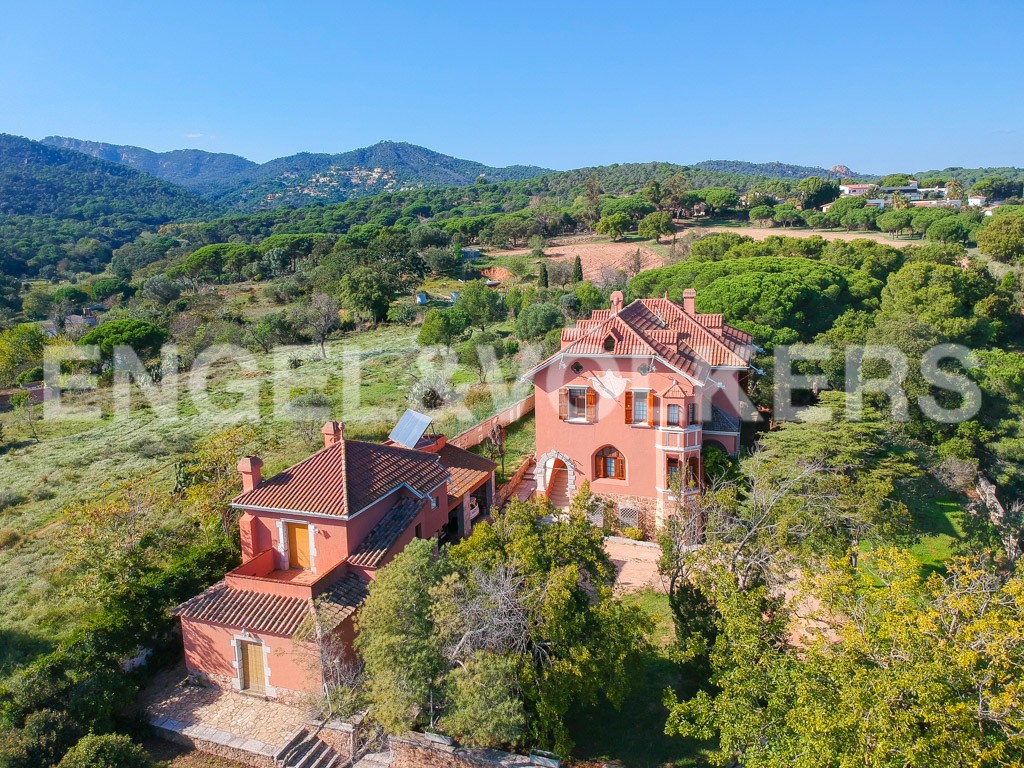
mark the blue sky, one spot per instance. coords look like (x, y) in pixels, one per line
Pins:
(876, 86)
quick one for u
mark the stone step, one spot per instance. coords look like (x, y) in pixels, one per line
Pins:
(375, 760)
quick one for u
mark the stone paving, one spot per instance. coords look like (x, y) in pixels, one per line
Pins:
(236, 720)
(636, 564)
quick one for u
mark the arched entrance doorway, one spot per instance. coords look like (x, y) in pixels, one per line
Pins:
(558, 483)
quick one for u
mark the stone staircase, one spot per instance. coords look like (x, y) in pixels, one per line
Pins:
(558, 494)
(307, 750)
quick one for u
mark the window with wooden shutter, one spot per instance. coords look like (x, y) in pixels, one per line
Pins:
(563, 403)
(629, 407)
(650, 408)
(591, 405)
(609, 463)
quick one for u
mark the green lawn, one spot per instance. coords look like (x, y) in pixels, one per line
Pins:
(635, 734)
(519, 443)
(937, 520)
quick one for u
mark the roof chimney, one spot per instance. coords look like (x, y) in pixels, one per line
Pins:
(334, 433)
(617, 299)
(249, 468)
(690, 301)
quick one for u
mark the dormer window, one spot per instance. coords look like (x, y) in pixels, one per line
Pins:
(609, 344)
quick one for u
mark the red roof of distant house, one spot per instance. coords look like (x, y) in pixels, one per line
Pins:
(690, 343)
(345, 479)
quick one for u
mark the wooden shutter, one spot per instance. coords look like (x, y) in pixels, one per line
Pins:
(599, 466)
(629, 407)
(620, 468)
(650, 408)
(591, 404)
(563, 403)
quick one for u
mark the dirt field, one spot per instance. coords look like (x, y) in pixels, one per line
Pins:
(760, 233)
(601, 259)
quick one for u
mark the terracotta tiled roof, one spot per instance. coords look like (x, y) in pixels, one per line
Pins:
(255, 611)
(382, 538)
(339, 602)
(691, 343)
(466, 468)
(345, 478)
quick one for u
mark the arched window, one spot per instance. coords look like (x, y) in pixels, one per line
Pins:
(608, 462)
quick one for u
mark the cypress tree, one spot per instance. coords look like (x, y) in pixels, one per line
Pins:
(542, 278)
(577, 270)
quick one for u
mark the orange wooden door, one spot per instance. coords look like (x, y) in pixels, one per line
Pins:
(298, 546)
(253, 678)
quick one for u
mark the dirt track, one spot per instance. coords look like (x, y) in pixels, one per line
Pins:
(760, 233)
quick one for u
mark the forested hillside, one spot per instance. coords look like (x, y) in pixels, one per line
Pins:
(387, 166)
(773, 170)
(190, 168)
(64, 212)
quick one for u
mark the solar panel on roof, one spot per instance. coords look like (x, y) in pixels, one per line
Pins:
(410, 428)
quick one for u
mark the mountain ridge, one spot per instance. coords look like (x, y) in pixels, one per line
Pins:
(194, 169)
(305, 177)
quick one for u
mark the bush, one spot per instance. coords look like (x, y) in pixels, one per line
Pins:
(402, 313)
(44, 739)
(8, 538)
(31, 375)
(633, 533)
(478, 401)
(109, 751)
(10, 499)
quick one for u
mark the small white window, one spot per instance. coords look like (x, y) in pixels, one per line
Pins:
(433, 502)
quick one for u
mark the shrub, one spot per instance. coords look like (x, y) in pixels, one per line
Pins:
(10, 499)
(112, 750)
(43, 740)
(8, 538)
(401, 313)
(633, 533)
(478, 400)
(30, 375)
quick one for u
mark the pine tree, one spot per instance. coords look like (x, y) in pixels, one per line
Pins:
(542, 278)
(577, 270)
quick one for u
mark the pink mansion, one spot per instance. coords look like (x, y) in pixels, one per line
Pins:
(632, 397)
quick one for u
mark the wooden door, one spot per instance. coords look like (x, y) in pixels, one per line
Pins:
(298, 546)
(253, 678)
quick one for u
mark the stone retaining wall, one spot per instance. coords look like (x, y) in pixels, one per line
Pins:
(415, 751)
(245, 751)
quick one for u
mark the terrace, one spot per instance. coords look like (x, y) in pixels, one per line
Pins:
(260, 574)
